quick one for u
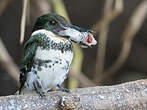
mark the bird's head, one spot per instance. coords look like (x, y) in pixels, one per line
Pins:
(60, 27)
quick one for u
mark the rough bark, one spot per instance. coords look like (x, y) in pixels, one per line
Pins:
(127, 96)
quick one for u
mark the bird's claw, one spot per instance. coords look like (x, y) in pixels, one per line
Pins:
(62, 88)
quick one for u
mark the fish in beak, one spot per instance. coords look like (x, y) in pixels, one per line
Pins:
(78, 35)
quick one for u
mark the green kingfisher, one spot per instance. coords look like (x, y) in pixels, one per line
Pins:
(49, 52)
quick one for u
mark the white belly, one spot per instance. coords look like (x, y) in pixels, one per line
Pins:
(52, 76)
(55, 71)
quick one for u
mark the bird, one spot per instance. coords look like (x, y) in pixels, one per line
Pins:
(48, 53)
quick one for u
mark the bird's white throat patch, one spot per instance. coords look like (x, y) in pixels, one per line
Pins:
(50, 34)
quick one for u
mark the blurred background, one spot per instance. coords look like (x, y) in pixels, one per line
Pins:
(120, 27)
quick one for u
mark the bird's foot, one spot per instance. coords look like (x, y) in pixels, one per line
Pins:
(42, 94)
(38, 88)
(62, 88)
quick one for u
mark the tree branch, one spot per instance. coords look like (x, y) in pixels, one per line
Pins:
(127, 96)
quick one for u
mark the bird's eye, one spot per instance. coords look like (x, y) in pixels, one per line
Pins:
(53, 22)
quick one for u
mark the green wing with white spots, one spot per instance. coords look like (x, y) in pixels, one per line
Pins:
(27, 59)
(29, 52)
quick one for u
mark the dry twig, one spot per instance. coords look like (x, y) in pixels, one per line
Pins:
(7, 63)
(60, 8)
(109, 15)
(132, 28)
(127, 96)
(83, 80)
(23, 20)
(118, 8)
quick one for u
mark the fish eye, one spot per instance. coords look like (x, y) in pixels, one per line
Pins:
(52, 22)
(90, 31)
